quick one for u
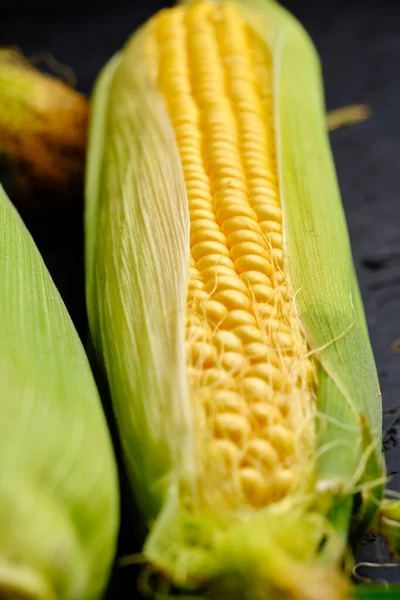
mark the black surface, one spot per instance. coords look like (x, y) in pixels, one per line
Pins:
(359, 44)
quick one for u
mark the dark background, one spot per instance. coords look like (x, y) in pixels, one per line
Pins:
(359, 45)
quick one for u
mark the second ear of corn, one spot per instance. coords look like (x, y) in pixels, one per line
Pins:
(224, 306)
(43, 135)
(59, 501)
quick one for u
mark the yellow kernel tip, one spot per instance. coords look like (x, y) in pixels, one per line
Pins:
(201, 354)
(227, 341)
(253, 262)
(232, 426)
(256, 389)
(207, 248)
(214, 260)
(233, 300)
(249, 333)
(233, 362)
(282, 439)
(254, 487)
(265, 415)
(240, 223)
(255, 277)
(260, 454)
(225, 283)
(225, 451)
(249, 249)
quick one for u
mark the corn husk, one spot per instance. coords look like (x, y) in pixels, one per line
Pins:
(43, 135)
(58, 483)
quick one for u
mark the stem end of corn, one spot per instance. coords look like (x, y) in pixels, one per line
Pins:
(268, 556)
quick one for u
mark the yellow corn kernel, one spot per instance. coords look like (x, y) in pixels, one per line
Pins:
(265, 415)
(218, 379)
(214, 312)
(249, 333)
(284, 481)
(208, 233)
(253, 262)
(255, 488)
(225, 451)
(270, 374)
(266, 311)
(234, 362)
(255, 277)
(227, 341)
(215, 272)
(261, 454)
(214, 260)
(200, 354)
(246, 249)
(263, 293)
(195, 284)
(201, 225)
(244, 235)
(232, 426)
(282, 438)
(257, 390)
(225, 282)
(255, 352)
(202, 213)
(197, 295)
(226, 401)
(202, 249)
(239, 223)
(238, 318)
(235, 210)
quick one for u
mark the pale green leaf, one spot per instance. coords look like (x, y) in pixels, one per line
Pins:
(58, 482)
(137, 251)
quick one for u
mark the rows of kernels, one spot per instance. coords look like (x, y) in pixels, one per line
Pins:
(216, 82)
(251, 93)
(255, 132)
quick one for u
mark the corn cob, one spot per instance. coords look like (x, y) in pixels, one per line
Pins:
(58, 485)
(224, 306)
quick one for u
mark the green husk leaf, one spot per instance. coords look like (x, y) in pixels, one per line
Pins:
(138, 264)
(58, 482)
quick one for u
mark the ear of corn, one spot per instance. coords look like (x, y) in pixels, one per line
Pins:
(58, 485)
(43, 135)
(224, 306)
